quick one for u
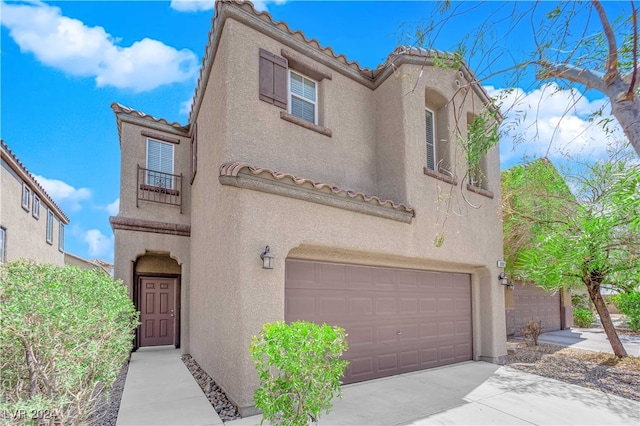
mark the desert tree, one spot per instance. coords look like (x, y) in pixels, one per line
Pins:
(571, 46)
(579, 230)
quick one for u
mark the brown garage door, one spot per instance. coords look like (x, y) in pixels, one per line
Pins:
(397, 320)
(531, 302)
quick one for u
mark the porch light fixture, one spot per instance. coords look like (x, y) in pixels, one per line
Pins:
(267, 258)
(504, 281)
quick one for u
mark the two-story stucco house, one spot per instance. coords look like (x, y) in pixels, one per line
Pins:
(306, 187)
(31, 223)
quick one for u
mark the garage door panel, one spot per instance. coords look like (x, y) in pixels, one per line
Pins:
(532, 302)
(397, 320)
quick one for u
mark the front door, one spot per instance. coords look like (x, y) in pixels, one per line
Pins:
(157, 311)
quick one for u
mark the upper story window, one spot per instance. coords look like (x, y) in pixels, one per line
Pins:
(159, 164)
(430, 139)
(291, 82)
(26, 196)
(36, 206)
(49, 226)
(3, 245)
(61, 237)
(303, 97)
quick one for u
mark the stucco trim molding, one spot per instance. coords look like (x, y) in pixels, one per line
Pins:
(304, 123)
(242, 175)
(440, 176)
(142, 225)
(481, 191)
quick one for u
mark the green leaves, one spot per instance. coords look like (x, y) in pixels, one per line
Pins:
(65, 332)
(629, 305)
(299, 368)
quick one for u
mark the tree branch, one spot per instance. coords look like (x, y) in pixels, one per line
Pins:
(632, 83)
(612, 59)
(574, 74)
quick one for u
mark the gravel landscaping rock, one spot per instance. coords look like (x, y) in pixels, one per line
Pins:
(216, 396)
(106, 413)
(594, 370)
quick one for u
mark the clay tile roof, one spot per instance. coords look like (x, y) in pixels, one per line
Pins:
(234, 168)
(43, 194)
(121, 109)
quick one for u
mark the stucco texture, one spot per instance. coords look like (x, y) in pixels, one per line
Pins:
(377, 146)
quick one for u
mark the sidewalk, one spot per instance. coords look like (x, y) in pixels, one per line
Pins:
(593, 339)
(159, 390)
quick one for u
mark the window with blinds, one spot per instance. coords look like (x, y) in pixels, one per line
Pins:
(49, 226)
(159, 164)
(430, 139)
(303, 96)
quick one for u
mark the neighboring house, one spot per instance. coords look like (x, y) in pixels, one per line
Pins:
(31, 224)
(526, 301)
(73, 260)
(338, 173)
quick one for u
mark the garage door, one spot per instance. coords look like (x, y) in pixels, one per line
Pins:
(531, 302)
(397, 320)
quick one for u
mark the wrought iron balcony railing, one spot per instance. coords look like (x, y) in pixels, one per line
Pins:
(158, 187)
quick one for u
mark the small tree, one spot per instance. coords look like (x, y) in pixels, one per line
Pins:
(299, 368)
(584, 237)
(65, 334)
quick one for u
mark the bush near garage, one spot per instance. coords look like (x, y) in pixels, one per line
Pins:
(583, 317)
(65, 334)
(299, 368)
(629, 305)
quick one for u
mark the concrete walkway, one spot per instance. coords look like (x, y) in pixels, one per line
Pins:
(473, 393)
(593, 339)
(160, 390)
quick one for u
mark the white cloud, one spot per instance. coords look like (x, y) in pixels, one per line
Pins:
(200, 5)
(192, 5)
(185, 107)
(551, 122)
(99, 244)
(63, 193)
(71, 46)
(113, 208)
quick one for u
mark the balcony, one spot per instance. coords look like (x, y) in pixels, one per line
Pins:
(159, 187)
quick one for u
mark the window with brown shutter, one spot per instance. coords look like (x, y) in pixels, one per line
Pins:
(273, 79)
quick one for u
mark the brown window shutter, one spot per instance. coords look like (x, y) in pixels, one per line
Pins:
(273, 79)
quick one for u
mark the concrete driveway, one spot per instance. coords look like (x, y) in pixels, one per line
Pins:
(593, 339)
(474, 393)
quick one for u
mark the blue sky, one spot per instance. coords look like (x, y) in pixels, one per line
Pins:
(64, 63)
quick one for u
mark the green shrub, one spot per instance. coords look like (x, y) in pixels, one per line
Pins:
(65, 333)
(583, 317)
(299, 368)
(582, 301)
(629, 305)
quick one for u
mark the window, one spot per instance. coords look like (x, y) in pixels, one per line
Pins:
(159, 164)
(430, 140)
(49, 226)
(26, 195)
(3, 245)
(303, 97)
(36, 206)
(61, 237)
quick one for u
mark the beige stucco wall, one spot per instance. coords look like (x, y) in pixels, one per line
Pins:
(133, 151)
(130, 246)
(377, 147)
(26, 236)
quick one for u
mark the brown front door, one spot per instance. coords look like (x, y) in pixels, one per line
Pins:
(157, 311)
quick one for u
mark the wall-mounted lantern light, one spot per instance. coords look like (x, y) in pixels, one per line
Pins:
(504, 281)
(267, 258)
